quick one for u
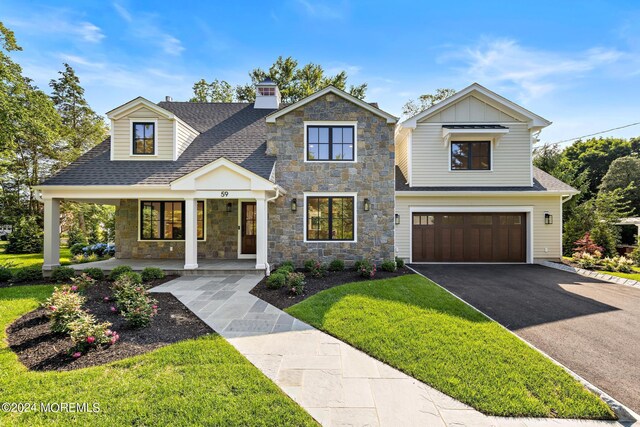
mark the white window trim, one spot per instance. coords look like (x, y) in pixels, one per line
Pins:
(492, 145)
(353, 123)
(528, 210)
(240, 254)
(153, 120)
(355, 216)
(169, 199)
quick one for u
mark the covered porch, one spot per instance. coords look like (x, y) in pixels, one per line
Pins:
(213, 219)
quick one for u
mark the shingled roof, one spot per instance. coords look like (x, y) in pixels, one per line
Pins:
(542, 181)
(235, 131)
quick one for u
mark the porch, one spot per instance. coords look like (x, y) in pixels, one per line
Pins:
(176, 266)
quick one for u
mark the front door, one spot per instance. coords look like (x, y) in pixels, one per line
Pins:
(248, 228)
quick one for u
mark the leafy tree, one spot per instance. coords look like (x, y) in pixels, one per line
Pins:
(413, 107)
(26, 237)
(294, 83)
(624, 172)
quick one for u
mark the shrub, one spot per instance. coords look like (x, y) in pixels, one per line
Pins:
(76, 249)
(336, 265)
(131, 277)
(99, 249)
(28, 274)
(63, 307)
(82, 282)
(635, 256)
(315, 268)
(296, 283)
(285, 269)
(625, 265)
(94, 272)
(86, 332)
(586, 260)
(367, 269)
(399, 262)
(276, 280)
(135, 304)
(117, 271)
(586, 245)
(389, 265)
(62, 274)
(608, 264)
(26, 237)
(5, 274)
(152, 273)
(358, 264)
(77, 238)
(288, 264)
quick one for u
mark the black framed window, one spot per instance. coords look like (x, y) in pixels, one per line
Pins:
(471, 155)
(144, 137)
(330, 218)
(164, 220)
(334, 143)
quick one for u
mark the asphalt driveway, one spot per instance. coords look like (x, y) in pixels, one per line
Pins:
(590, 326)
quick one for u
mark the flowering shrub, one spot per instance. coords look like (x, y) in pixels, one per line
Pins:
(315, 268)
(586, 245)
(625, 265)
(86, 332)
(585, 259)
(135, 304)
(296, 283)
(366, 268)
(82, 282)
(100, 249)
(276, 280)
(76, 249)
(152, 273)
(63, 307)
(94, 272)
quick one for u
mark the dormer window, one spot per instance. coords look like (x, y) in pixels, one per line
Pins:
(144, 138)
(331, 143)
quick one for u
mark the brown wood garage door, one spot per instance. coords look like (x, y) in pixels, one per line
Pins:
(469, 237)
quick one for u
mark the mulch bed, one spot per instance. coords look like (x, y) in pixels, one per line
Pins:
(282, 298)
(40, 349)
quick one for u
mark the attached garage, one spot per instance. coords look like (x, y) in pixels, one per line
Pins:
(468, 237)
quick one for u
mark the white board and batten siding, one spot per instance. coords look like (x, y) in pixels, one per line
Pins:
(547, 241)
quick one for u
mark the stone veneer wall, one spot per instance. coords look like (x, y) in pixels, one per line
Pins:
(371, 177)
(221, 234)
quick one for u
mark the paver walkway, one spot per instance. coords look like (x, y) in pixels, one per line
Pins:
(337, 384)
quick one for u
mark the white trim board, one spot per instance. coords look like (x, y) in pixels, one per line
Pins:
(473, 209)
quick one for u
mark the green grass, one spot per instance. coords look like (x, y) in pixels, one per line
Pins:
(632, 276)
(417, 327)
(27, 260)
(195, 382)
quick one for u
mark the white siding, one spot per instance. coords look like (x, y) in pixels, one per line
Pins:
(185, 136)
(402, 154)
(544, 236)
(511, 159)
(122, 136)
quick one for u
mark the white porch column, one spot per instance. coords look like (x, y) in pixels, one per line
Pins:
(190, 234)
(51, 233)
(261, 234)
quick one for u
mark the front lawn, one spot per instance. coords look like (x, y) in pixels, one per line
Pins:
(27, 260)
(416, 326)
(195, 382)
(632, 276)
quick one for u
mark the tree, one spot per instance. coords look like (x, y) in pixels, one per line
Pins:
(413, 107)
(624, 172)
(294, 83)
(82, 128)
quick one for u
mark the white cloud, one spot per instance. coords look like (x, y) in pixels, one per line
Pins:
(124, 13)
(56, 23)
(532, 73)
(90, 32)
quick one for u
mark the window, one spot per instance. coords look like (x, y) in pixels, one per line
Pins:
(334, 143)
(330, 218)
(144, 136)
(423, 219)
(267, 91)
(472, 155)
(165, 220)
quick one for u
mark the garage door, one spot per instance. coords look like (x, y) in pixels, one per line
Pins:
(469, 237)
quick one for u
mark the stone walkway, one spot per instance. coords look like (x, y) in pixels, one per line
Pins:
(337, 384)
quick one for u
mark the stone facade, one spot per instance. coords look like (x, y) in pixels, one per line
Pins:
(372, 177)
(221, 232)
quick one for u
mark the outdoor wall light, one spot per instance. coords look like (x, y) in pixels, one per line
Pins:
(294, 205)
(367, 205)
(397, 219)
(229, 207)
(548, 218)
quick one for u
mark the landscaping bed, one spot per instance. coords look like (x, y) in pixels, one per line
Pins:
(38, 348)
(283, 297)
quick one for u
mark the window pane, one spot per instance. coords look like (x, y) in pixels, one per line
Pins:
(323, 137)
(138, 131)
(337, 151)
(313, 135)
(337, 135)
(482, 219)
(459, 155)
(347, 135)
(452, 219)
(313, 152)
(324, 152)
(200, 226)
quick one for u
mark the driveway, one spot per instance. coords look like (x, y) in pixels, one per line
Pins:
(590, 326)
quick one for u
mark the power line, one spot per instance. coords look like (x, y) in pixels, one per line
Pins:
(597, 133)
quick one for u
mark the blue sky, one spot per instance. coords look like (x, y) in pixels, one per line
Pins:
(576, 63)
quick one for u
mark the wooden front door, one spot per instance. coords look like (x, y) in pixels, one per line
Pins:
(248, 228)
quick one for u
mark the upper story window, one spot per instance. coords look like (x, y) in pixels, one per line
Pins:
(267, 91)
(144, 138)
(330, 143)
(470, 155)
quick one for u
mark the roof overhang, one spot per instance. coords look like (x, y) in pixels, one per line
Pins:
(493, 133)
(483, 193)
(534, 121)
(135, 103)
(271, 118)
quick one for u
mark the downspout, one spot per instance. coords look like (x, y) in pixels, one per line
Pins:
(277, 188)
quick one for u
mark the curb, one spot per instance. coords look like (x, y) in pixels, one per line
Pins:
(591, 273)
(625, 415)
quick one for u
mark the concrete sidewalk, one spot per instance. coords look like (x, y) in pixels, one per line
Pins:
(337, 384)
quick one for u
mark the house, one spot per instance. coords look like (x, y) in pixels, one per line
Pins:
(330, 176)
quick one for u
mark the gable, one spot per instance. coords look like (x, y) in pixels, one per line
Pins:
(470, 109)
(222, 177)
